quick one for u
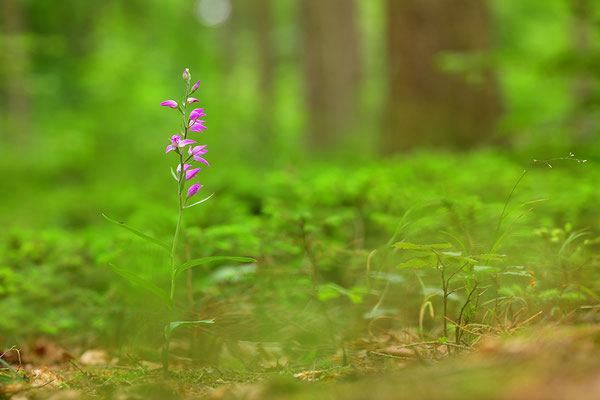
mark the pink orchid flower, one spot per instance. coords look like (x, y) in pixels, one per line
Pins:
(193, 189)
(169, 103)
(197, 153)
(177, 142)
(197, 113)
(189, 173)
(195, 87)
(191, 100)
(186, 74)
(197, 126)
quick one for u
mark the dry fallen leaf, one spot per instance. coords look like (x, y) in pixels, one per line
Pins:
(398, 351)
(94, 357)
(44, 377)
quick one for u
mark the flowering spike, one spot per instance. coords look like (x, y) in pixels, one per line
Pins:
(195, 86)
(169, 103)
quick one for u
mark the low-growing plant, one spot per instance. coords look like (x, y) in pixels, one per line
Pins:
(183, 173)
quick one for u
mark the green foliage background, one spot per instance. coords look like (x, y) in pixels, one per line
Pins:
(95, 142)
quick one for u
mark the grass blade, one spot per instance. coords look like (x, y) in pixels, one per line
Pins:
(7, 379)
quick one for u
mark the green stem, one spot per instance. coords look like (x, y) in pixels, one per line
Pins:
(180, 190)
(176, 236)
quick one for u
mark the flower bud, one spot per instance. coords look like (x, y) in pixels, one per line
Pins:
(169, 103)
(186, 74)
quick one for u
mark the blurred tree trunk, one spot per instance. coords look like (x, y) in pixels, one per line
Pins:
(13, 70)
(267, 58)
(332, 68)
(584, 122)
(427, 106)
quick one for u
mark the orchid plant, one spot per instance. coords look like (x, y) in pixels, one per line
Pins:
(187, 152)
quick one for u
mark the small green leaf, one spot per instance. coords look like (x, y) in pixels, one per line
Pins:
(332, 290)
(413, 246)
(516, 273)
(177, 324)
(138, 233)
(146, 284)
(589, 292)
(485, 269)
(489, 256)
(452, 253)
(205, 260)
(415, 263)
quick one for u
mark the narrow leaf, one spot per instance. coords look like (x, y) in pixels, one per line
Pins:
(413, 246)
(589, 292)
(452, 253)
(177, 324)
(6, 378)
(489, 256)
(138, 233)
(146, 284)
(415, 263)
(174, 175)
(516, 273)
(201, 201)
(205, 260)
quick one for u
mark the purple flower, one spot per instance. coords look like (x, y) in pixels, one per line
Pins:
(189, 173)
(197, 126)
(197, 153)
(169, 103)
(177, 142)
(195, 86)
(193, 189)
(186, 74)
(191, 100)
(197, 113)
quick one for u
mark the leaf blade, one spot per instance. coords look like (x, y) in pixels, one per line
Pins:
(138, 233)
(206, 260)
(178, 324)
(146, 284)
(414, 246)
(198, 202)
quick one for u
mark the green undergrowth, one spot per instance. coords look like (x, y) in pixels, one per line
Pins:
(346, 253)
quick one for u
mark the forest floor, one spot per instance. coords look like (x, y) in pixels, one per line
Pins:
(543, 362)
